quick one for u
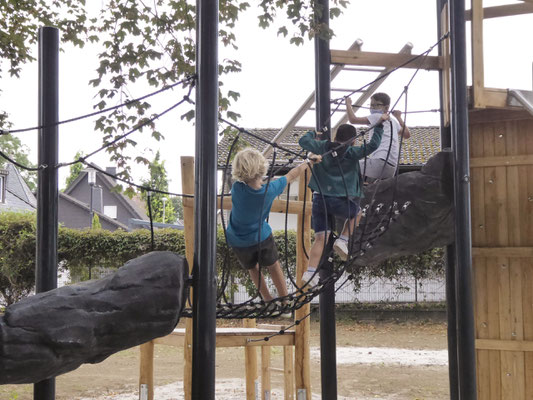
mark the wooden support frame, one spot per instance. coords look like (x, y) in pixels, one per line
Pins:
(478, 73)
(303, 329)
(296, 364)
(367, 58)
(445, 76)
(187, 172)
(507, 10)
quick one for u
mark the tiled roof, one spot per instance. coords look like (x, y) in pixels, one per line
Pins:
(423, 143)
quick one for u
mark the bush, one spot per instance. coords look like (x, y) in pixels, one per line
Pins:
(17, 256)
(81, 251)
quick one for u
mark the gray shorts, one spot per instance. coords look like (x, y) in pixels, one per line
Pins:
(265, 254)
(377, 168)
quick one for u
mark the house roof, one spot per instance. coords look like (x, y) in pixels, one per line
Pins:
(87, 210)
(423, 143)
(18, 196)
(134, 205)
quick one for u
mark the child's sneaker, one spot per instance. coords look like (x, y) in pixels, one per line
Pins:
(310, 277)
(341, 248)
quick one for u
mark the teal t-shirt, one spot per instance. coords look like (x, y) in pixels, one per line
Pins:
(249, 211)
(330, 180)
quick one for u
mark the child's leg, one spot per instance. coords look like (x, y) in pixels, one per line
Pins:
(349, 227)
(316, 249)
(259, 281)
(358, 218)
(278, 278)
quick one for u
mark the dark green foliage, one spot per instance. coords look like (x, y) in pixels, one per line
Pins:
(17, 256)
(82, 251)
(149, 43)
(158, 180)
(14, 149)
(75, 169)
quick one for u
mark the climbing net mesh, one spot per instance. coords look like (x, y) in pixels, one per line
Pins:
(376, 218)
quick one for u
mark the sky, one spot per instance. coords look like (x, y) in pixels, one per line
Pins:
(277, 77)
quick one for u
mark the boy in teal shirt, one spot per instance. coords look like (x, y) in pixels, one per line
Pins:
(248, 232)
(337, 188)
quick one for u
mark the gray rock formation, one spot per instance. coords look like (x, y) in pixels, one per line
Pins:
(427, 222)
(54, 332)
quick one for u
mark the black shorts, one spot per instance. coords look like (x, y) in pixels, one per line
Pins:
(249, 256)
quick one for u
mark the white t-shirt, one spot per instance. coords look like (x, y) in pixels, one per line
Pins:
(383, 149)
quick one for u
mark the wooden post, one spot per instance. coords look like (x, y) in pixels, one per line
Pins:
(446, 69)
(288, 372)
(250, 364)
(187, 179)
(303, 329)
(266, 387)
(146, 373)
(478, 78)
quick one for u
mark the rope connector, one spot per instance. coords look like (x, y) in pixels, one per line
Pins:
(4, 131)
(334, 154)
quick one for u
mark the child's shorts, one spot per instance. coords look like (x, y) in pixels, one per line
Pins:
(249, 256)
(325, 208)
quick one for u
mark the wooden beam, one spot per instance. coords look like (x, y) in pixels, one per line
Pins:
(250, 365)
(235, 338)
(504, 345)
(483, 116)
(187, 179)
(492, 252)
(302, 370)
(507, 10)
(502, 161)
(489, 98)
(278, 206)
(266, 386)
(288, 372)
(478, 73)
(146, 373)
(366, 58)
(446, 68)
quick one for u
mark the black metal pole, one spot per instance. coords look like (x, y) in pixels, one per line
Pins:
(466, 355)
(47, 195)
(204, 273)
(451, 307)
(328, 339)
(451, 314)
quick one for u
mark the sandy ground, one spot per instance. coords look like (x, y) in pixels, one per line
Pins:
(387, 361)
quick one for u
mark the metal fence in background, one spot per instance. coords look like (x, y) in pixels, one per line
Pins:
(373, 290)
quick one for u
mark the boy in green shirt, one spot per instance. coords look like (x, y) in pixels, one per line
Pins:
(337, 188)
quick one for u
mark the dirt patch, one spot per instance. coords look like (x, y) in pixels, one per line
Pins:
(406, 362)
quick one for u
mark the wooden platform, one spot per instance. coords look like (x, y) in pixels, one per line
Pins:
(247, 337)
(235, 337)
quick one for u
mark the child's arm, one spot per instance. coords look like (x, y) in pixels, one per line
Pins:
(351, 115)
(404, 131)
(359, 152)
(308, 142)
(297, 171)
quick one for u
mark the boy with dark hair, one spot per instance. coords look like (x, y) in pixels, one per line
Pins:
(384, 161)
(337, 187)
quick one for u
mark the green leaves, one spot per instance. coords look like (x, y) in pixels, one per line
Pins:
(13, 147)
(144, 43)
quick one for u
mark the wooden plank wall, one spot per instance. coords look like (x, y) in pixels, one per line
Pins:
(502, 241)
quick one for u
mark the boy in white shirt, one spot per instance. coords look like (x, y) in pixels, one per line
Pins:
(382, 163)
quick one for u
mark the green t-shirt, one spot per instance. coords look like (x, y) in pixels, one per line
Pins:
(338, 176)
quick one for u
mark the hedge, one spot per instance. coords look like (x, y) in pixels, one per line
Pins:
(81, 251)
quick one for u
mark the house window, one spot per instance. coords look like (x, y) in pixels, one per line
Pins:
(2, 188)
(110, 211)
